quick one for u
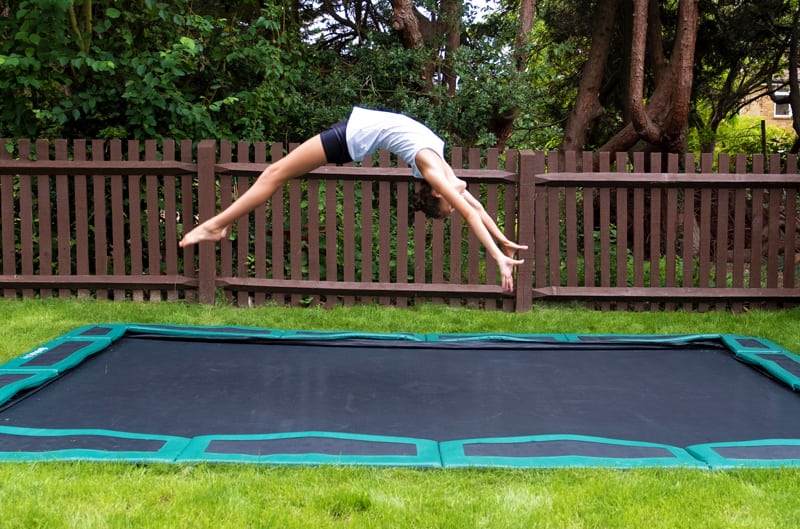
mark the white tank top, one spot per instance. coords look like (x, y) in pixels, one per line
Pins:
(368, 130)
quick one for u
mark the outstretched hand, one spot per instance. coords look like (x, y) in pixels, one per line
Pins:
(506, 266)
(203, 232)
(510, 248)
(508, 262)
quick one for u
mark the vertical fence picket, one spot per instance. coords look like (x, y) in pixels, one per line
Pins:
(313, 234)
(100, 206)
(26, 217)
(187, 216)
(225, 184)
(588, 198)
(690, 231)
(791, 251)
(473, 245)
(81, 208)
(456, 238)
(571, 222)
(756, 223)
(206, 208)
(261, 225)
(402, 238)
(44, 211)
(153, 216)
(8, 239)
(638, 225)
(723, 213)
(554, 195)
(621, 224)
(512, 194)
(331, 231)
(492, 207)
(655, 227)
(170, 219)
(385, 239)
(671, 231)
(774, 201)
(63, 224)
(740, 211)
(604, 207)
(135, 220)
(277, 226)
(349, 236)
(700, 245)
(367, 229)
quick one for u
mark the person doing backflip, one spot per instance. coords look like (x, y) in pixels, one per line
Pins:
(353, 139)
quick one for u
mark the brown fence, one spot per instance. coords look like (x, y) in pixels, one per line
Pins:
(103, 219)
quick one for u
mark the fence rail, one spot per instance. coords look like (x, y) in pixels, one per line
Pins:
(103, 218)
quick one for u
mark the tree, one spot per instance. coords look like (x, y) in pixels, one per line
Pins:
(720, 54)
(660, 118)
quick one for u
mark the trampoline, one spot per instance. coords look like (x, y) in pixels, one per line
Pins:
(163, 393)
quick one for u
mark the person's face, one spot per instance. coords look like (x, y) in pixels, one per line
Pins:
(445, 208)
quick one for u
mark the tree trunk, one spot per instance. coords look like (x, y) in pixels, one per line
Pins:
(404, 21)
(451, 26)
(663, 120)
(502, 125)
(587, 106)
(527, 11)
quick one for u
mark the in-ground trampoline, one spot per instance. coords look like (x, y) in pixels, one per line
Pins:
(190, 394)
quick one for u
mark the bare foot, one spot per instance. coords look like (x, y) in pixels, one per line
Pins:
(203, 232)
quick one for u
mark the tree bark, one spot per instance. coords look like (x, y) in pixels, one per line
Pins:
(587, 105)
(527, 11)
(663, 120)
(404, 21)
(451, 27)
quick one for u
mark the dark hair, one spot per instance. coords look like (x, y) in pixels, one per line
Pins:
(426, 202)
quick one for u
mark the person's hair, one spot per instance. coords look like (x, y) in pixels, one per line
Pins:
(426, 202)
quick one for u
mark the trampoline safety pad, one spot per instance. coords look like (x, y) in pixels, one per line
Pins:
(183, 394)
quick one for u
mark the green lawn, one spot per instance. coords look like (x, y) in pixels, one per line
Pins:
(100, 495)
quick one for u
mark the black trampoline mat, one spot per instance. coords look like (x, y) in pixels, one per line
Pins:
(153, 385)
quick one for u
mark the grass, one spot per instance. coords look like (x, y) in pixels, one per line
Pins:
(112, 495)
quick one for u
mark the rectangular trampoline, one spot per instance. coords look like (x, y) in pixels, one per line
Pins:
(164, 393)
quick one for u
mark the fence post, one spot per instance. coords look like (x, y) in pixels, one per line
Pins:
(525, 194)
(206, 201)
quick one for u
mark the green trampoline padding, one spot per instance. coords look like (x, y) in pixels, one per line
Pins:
(178, 393)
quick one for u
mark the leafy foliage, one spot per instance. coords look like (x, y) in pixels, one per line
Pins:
(159, 69)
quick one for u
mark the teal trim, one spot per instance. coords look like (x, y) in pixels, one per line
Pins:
(47, 356)
(190, 331)
(169, 451)
(105, 331)
(496, 337)
(762, 354)
(709, 453)
(427, 452)
(351, 335)
(32, 378)
(649, 338)
(454, 454)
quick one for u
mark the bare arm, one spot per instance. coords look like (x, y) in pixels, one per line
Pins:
(441, 178)
(509, 247)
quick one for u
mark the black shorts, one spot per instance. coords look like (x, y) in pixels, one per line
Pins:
(334, 143)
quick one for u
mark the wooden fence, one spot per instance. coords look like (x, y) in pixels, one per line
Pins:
(103, 219)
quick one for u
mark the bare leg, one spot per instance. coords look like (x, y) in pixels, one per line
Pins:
(300, 161)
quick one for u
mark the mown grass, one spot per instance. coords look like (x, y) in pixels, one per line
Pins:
(112, 495)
